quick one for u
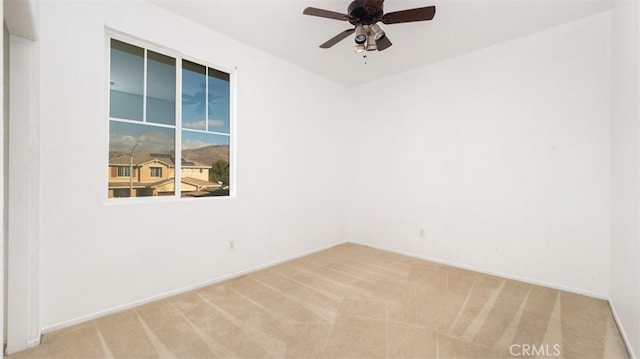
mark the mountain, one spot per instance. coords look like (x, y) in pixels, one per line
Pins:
(207, 155)
(203, 156)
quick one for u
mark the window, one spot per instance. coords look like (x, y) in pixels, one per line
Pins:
(155, 172)
(168, 110)
(124, 171)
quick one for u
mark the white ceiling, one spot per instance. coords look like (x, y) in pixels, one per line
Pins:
(279, 28)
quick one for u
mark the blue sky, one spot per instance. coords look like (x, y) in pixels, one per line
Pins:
(126, 102)
(193, 109)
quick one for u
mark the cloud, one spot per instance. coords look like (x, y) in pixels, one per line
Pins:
(192, 144)
(200, 125)
(121, 142)
(152, 142)
(216, 123)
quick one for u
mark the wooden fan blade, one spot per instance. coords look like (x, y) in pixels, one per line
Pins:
(383, 43)
(326, 14)
(336, 39)
(419, 14)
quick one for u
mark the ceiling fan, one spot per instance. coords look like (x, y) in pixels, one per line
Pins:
(364, 16)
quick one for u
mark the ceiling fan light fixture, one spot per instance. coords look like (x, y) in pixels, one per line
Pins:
(376, 31)
(359, 48)
(361, 35)
(371, 44)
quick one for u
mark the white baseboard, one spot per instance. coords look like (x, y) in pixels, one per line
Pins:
(16, 349)
(488, 271)
(102, 313)
(623, 334)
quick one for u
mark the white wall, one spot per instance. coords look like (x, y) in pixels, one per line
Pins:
(96, 255)
(23, 197)
(21, 186)
(4, 110)
(501, 156)
(625, 165)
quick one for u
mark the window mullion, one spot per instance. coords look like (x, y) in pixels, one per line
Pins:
(144, 87)
(178, 146)
(206, 98)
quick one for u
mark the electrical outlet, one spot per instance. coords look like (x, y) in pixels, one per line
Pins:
(232, 245)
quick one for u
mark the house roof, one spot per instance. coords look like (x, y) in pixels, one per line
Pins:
(140, 158)
(143, 157)
(199, 182)
(117, 185)
(160, 183)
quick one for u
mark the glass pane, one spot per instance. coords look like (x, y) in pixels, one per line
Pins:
(161, 88)
(193, 95)
(218, 101)
(126, 82)
(205, 164)
(134, 149)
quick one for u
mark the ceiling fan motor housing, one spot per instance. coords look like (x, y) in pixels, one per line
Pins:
(364, 15)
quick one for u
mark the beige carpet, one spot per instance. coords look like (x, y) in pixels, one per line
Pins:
(351, 301)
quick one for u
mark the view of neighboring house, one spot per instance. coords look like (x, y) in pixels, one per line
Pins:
(153, 174)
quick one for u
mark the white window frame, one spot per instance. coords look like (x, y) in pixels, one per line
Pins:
(179, 56)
